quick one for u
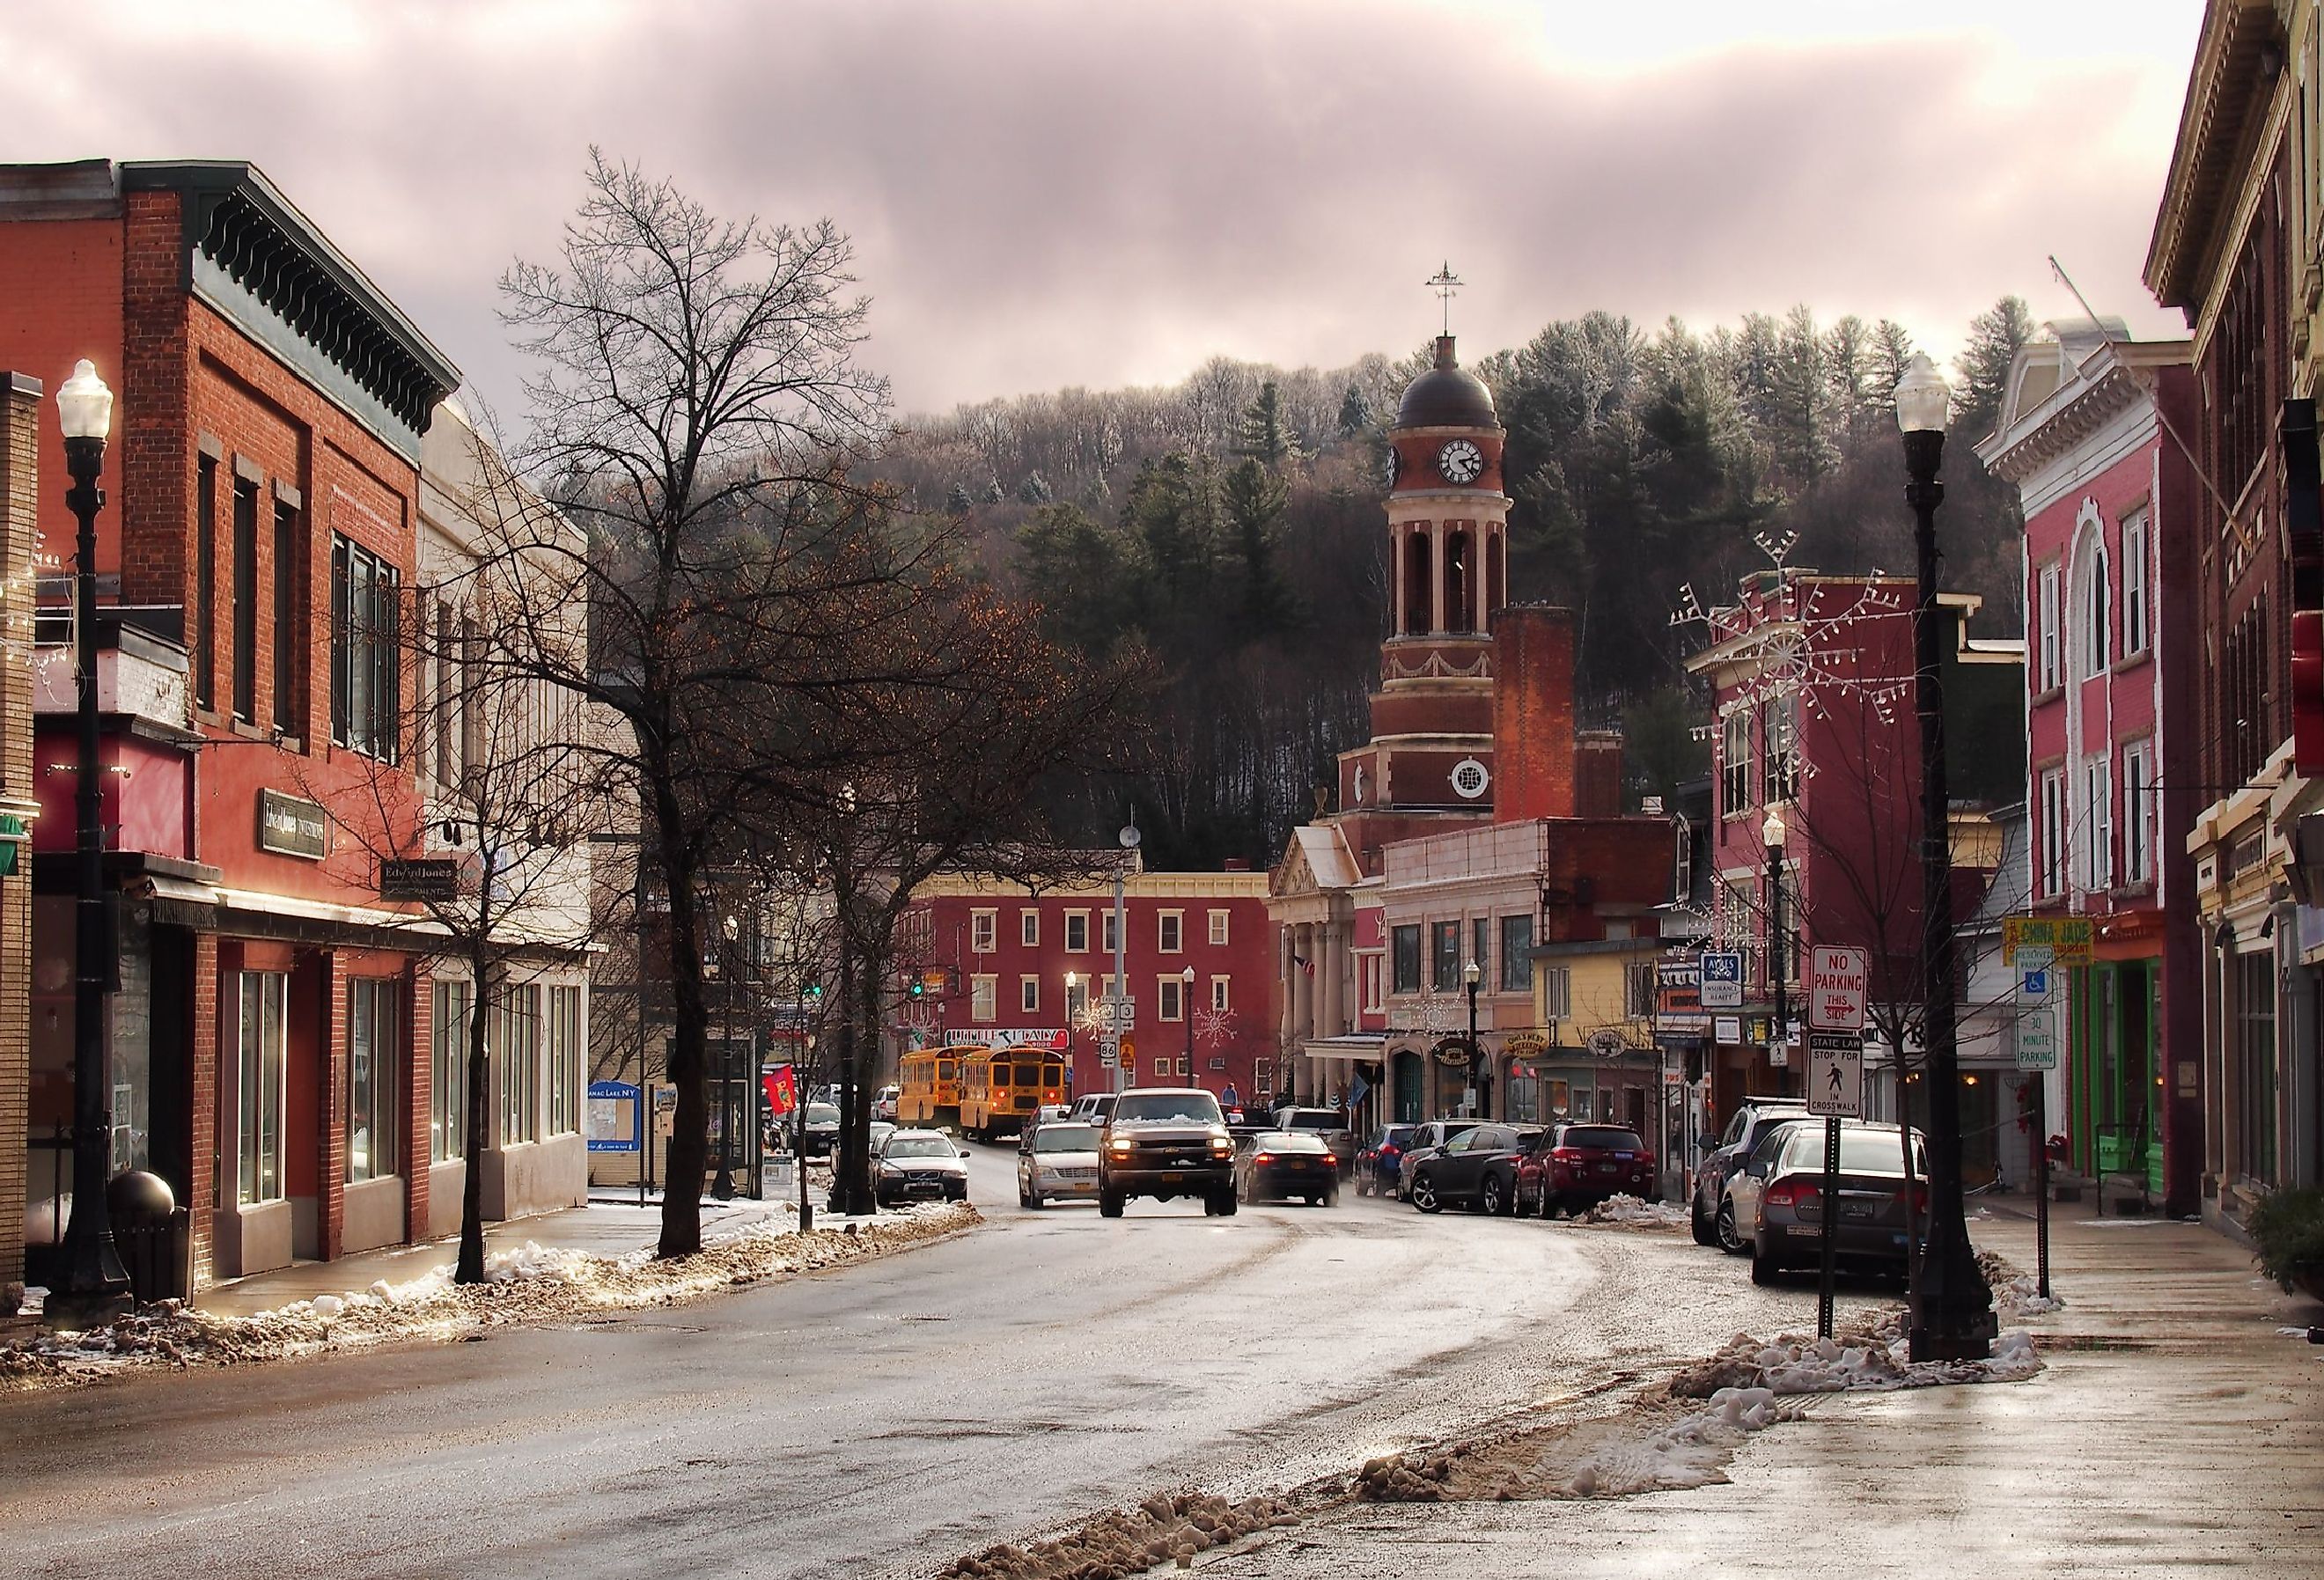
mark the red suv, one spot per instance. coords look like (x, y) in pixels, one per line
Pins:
(1582, 1166)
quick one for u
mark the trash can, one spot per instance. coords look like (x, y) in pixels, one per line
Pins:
(151, 1232)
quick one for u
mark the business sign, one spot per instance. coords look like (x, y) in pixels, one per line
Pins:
(2037, 1038)
(1009, 1037)
(1722, 979)
(2066, 937)
(287, 825)
(1836, 1074)
(419, 878)
(1678, 984)
(615, 1111)
(1836, 988)
(1727, 1029)
(2037, 973)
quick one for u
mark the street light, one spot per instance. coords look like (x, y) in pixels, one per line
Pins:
(93, 1280)
(1773, 832)
(1186, 1012)
(1471, 977)
(724, 1188)
(1953, 1310)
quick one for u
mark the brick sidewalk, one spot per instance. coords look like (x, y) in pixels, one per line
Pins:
(2173, 1430)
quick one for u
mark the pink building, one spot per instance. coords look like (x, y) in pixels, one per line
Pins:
(998, 962)
(2113, 653)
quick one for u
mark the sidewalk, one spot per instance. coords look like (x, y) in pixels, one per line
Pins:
(613, 1224)
(2173, 1430)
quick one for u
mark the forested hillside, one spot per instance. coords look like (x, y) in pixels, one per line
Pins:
(1233, 525)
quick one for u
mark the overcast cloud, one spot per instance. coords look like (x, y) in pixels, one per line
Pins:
(1061, 192)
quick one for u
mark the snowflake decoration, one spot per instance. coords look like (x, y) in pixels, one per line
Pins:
(1213, 1028)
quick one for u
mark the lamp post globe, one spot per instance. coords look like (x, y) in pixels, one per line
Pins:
(93, 1282)
(1952, 1314)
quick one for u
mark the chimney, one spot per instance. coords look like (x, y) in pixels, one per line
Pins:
(1532, 713)
(1598, 774)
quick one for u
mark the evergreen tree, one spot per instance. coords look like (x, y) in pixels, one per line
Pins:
(1892, 353)
(1995, 336)
(1265, 439)
(1355, 412)
(957, 502)
(1035, 489)
(1847, 377)
(1803, 400)
(1254, 500)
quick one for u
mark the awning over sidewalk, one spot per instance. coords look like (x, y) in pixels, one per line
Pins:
(1361, 1046)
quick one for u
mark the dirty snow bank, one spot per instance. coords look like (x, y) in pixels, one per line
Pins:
(1873, 1356)
(1628, 1212)
(525, 1284)
(1690, 1452)
(1166, 1528)
(2015, 1294)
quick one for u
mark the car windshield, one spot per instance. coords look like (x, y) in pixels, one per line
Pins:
(918, 1147)
(1167, 1108)
(1776, 1135)
(1398, 1135)
(1602, 1136)
(822, 1114)
(1285, 1141)
(1064, 1138)
(1314, 1119)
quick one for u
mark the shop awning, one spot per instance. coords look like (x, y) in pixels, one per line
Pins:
(1366, 1049)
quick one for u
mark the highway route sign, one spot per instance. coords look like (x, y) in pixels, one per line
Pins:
(1836, 1074)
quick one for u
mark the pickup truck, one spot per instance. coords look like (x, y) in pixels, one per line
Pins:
(1166, 1141)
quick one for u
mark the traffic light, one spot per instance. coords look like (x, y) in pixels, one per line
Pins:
(918, 987)
(815, 994)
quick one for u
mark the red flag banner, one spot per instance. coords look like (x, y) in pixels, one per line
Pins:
(782, 1091)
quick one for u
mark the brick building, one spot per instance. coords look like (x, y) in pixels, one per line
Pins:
(993, 958)
(20, 474)
(2113, 660)
(269, 1039)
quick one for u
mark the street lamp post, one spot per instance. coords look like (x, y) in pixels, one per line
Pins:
(1186, 1013)
(1073, 979)
(1952, 1307)
(93, 1280)
(1472, 975)
(1772, 834)
(724, 1188)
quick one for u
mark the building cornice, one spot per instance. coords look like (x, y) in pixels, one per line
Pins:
(2103, 389)
(2223, 107)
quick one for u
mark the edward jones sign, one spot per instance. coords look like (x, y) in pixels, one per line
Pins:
(1836, 989)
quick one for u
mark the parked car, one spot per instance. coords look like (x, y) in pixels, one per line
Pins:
(1426, 1138)
(1738, 1202)
(880, 1131)
(1380, 1160)
(1277, 1163)
(816, 1130)
(1166, 1141)
(1462, 1172)
(1056, 1161)
(884, 1100)
(1870, 1228)
(1580, 1165)
(1092, 1108)
(1745, 1129)
(920, 1165)
(1331, 1123)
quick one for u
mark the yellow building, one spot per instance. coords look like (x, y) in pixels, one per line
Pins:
(1593, 1057)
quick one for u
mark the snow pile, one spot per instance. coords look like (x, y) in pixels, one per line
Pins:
(1628, 1212)
(2015, 1294)
(525, 1284)
(1690, 1452)
(1876, 1355)
(1166, 1528)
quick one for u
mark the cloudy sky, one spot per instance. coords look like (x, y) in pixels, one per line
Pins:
(1051, 192)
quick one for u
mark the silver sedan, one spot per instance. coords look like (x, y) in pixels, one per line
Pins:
(1056, 1161)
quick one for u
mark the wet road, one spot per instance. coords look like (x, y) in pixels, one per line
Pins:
(875, 1421)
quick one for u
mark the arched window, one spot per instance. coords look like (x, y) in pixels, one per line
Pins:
(1460, 584)
(1419, 600)
(2093, 602)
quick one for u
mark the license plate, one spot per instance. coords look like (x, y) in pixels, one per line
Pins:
(1856, 1211)
(1625, 1157)
(1605, 1169)
(1172, 1178)
(1804, 1229)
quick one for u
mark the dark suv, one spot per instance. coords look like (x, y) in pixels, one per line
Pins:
(1164, 1142)
(1752, 1118)
(1477, 1166)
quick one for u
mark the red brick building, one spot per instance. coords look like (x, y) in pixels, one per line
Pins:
(994, 959)
(268, 1039)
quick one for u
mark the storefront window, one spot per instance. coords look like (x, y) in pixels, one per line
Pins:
(371, 1071)
(263, 1047)
(563, 1060)
(1406, 941)
(516, 1048)
(2255, 1065)
(447, 1098)
(1521, 1096)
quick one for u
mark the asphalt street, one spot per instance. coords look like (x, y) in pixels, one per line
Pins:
(877, 1419)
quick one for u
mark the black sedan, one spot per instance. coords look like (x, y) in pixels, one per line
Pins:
(1278, 1163)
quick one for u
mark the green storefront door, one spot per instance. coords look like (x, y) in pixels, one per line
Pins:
(2115, 1030)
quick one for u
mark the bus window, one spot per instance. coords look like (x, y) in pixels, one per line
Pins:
(1053, 1075)
(1029, 1075)
(946, 1069)
(999, 1075)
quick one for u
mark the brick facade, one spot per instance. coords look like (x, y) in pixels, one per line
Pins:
(20, 471)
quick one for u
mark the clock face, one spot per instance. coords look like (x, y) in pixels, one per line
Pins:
(1461, 461)
(1394, 467)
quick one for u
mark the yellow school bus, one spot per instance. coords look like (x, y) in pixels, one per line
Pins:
(1002, 1089)
(929, 1082)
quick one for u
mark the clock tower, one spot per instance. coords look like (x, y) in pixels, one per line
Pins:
(1431, 745)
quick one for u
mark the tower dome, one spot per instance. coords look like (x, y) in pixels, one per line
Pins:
(1447, 395)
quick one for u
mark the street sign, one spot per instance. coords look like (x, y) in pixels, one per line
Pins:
(2068, 935)
(1117, 1013)
(1722, 979)
(2037, 1038)
(1836, 1074)
(2037, 973)
(1836, 988)
(613, 1114)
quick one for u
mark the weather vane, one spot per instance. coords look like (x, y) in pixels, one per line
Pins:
(1445, 284)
